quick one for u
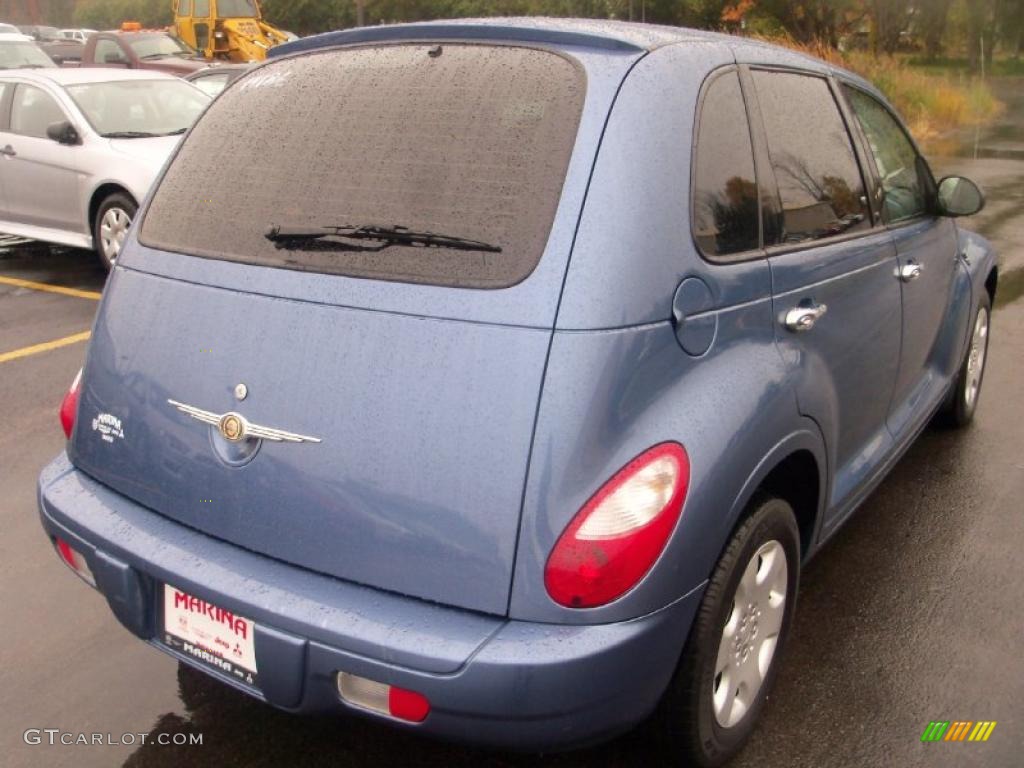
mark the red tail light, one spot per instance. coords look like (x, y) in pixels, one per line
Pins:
(69, 406)
(614, 540)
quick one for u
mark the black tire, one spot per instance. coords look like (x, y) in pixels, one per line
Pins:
(959, 407)
(686, 718)
(115, 202)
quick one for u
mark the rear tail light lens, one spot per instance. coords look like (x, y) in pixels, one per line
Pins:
(69, 406)
(75, 560)
(615, 539)
(383, 699)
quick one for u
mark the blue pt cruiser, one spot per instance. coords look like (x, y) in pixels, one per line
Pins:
(496, 378)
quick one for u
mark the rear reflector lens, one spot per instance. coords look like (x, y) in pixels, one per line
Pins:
(75, 560)
(69, 406)
(618, 535)
(383, 699)
(408, 705)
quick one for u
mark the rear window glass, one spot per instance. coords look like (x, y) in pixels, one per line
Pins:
(469, 142)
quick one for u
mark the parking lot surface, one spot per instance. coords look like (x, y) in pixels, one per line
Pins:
(911, 614)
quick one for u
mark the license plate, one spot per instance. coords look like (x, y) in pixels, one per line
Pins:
(211, 635)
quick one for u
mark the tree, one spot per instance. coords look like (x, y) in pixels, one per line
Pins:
(932, 21)
(1011, 23)
(56, 12)
(108, 14)
(705, 14)
(889, 20)
(811, 21)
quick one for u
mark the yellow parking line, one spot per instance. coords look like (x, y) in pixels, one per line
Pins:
(44, 347)
(51, 288)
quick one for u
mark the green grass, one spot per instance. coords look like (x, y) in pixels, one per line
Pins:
(952, 67)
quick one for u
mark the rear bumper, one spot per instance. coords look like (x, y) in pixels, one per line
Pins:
(489, 680)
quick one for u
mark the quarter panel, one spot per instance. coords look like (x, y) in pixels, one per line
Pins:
(634, 243)
(608, 396)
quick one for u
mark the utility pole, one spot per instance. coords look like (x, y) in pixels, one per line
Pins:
(360, 13)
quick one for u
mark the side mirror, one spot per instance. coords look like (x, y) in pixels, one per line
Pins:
(115, 58)
(960, 197)
(63, 133)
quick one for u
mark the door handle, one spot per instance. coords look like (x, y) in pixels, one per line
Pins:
(800, 319)
(910, 271)
(8, 150)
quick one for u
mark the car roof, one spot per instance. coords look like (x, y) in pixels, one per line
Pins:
(14, 37)
(600, 33)
(78, 76)
(586, 32)
(592, 33)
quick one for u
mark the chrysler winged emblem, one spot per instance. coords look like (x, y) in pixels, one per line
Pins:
(235, 428)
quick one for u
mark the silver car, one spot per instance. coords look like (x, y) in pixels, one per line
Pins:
(79, 149)
(18, 51)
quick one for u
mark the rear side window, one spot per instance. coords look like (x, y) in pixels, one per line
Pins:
(819, 180)
(461, 141)
(725, 202)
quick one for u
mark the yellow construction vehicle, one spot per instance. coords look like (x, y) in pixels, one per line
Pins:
(232, 30)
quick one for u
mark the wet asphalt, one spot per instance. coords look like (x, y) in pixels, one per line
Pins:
(912, 613)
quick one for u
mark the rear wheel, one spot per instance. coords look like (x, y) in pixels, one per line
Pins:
(113, 218)
(962, 402)
(731, 656)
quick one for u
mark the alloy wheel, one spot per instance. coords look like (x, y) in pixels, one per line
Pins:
(113, 228)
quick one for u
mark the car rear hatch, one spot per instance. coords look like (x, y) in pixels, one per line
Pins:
(407, 376)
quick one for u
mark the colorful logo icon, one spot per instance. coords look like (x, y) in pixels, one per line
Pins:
(958, 730)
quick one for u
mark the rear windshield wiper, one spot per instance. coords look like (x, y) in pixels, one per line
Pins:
(317, 238)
